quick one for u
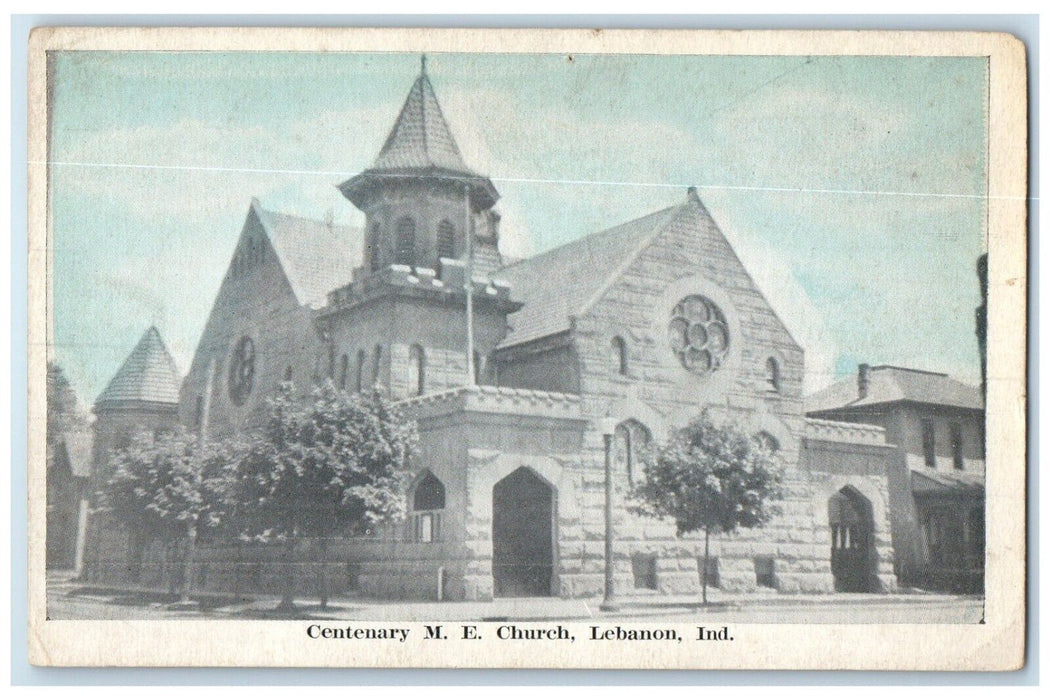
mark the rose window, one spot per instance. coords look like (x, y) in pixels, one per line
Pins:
(699, 335)
(242, 370)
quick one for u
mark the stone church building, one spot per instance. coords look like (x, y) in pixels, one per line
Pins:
(648, 322)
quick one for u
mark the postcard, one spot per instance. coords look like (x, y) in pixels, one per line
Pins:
(527, 348)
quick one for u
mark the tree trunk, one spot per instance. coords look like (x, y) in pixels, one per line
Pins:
(707, 535)
(171, 567)
(287, 603)
(323, 572)
(187, 565)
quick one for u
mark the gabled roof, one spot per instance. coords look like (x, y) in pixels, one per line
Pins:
(316, 257)
(563, 283)
(889, 384)
(421, 138)
(959, 483)
(147, 375)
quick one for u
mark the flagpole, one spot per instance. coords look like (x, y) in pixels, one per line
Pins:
(469, 285)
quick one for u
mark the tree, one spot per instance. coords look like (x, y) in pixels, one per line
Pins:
(64, 412)
(172, 489)
(330, 466)
(710, 477)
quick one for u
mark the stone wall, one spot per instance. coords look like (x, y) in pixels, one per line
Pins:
(691, 256)
(839, 455)
(407, 314)
(257, 302)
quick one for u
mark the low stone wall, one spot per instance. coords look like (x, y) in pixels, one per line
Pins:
(373, 568)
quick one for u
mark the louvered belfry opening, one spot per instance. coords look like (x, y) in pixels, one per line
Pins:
(405, 249)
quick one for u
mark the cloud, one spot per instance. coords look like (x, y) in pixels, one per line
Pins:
(841, 270)
(773, 276)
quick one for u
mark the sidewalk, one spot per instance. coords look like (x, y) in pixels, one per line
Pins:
(259, 606)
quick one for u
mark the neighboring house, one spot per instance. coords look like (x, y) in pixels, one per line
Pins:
(142, 397)
(937, 481)
(68, 492)
(650, 322)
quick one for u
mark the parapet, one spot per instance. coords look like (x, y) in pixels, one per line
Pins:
(448, 281)
(495, 399)
(840, 431)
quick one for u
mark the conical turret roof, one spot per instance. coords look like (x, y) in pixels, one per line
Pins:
(420, 145)
(148, 375)
(421, 138)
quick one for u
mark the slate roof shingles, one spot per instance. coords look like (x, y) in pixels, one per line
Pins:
(148, 374)
(421, 138)
(931, 481)
(559, 283)
(316, 257)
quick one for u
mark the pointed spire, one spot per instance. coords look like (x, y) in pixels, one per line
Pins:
(420, 144)
(421, 138)
(148, 375)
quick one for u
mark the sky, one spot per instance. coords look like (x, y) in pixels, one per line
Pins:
(852, 188)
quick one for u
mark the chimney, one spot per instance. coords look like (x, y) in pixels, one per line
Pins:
(863, 379)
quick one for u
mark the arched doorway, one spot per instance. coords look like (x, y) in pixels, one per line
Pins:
(522, 535)
(852, 542)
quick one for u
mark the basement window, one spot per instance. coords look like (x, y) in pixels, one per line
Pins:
(765, 572)
(643, 566)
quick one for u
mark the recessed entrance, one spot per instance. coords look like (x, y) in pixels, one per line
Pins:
(852, 547)
(522, 535)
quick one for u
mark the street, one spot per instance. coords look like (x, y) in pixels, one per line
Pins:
(68, 600)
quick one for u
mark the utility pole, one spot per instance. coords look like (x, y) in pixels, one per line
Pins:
(469, 284)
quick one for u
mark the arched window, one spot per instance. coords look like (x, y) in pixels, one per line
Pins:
(344, 370)
(619, 355)
(630, 441)
(446, 240)
(373, 248)
(429, 493)
(377, 357)
(428, 502)
(416, 370)
(359, 382)
(405, 248)
(772, 375)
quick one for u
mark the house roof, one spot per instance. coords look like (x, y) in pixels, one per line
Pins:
(889, 384)
(316, 257)
(960, 483)
(421, 138)
(562, 283)
(78, 446)
(148, 374)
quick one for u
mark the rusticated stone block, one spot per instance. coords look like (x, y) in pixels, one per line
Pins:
(677, 583)
(477, 588)
(814, 583)
(737, 582)
(887, 583)
(788, 583)
(571, 550)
